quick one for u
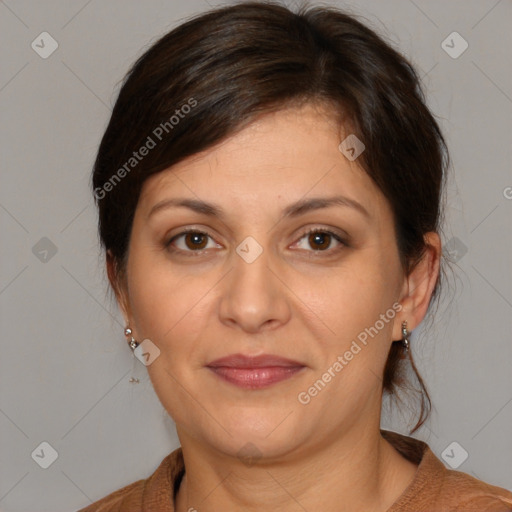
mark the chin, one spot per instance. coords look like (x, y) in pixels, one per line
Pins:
(232, 430)
(257, 436)
(251, 449)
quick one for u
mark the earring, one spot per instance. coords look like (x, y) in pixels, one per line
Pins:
(132, 342)
(405, 336)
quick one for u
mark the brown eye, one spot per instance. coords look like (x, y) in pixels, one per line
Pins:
(321, 240)
(192, 241)
(195, 240)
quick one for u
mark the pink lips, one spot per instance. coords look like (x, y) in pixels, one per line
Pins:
(254, 372)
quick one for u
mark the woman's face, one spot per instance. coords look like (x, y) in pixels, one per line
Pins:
(257, 284)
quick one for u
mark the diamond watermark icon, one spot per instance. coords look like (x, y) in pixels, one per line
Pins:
(455, 249)
(44, 45)
(249, 453)
(45, 455)
(44, 250)
(146, 352)
(454, 45)
(249, 249)
(454, 455)
(351, 147)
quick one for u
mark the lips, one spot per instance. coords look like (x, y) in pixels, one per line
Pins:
(254, 372)
(263, 361)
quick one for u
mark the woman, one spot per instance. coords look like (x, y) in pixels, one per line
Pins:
(269, 190)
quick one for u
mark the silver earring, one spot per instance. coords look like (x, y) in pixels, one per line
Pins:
(405, 336)
(132, 342)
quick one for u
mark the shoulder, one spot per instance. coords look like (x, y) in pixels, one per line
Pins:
(126, 499)
(435, 487)
(475, 495)
(153, 493)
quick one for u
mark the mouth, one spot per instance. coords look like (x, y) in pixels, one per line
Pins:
(255, 372)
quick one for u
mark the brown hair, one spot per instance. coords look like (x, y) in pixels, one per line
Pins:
(212, 75)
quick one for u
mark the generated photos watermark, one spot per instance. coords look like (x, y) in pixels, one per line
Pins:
(157, 135)
(304, 397)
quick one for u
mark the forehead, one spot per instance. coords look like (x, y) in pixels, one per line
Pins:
(292, 153)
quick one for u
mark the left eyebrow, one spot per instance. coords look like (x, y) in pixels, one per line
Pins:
(316, 203)
(293, 210)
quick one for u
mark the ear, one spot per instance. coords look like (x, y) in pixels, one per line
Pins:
(119, 286)
(419, 286)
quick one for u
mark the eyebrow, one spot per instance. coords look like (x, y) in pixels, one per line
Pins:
(296, 209)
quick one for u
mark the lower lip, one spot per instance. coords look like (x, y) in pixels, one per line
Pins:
(255, 378)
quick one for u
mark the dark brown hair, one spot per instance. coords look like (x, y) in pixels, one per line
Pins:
(212, 75)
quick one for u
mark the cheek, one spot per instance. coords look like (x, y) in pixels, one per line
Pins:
(355, 306)
(172, 312)
(164, 300)
(350, 298)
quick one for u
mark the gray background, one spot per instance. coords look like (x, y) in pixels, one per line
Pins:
(65, 365)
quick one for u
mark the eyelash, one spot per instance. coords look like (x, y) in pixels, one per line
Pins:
(191, 253)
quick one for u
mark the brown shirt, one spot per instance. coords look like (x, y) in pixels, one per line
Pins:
(435, 488)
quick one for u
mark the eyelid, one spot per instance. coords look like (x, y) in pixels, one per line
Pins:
(339, 236)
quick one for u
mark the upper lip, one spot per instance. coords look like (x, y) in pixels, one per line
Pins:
(261, 361)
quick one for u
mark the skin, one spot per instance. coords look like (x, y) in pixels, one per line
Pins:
(302, 299)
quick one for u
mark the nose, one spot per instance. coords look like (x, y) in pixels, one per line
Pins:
(253, 297)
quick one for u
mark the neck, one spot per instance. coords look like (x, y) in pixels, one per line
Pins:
(358, 471)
